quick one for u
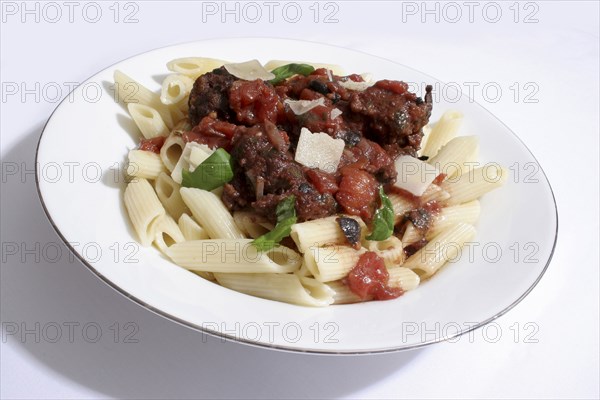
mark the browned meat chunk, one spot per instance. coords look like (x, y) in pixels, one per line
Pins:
(264, 176)
(394, 115)
(358, 193)
(210, 94)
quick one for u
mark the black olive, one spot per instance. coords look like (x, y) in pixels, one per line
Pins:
(319, 87)
(419, 101)
(351, 138)
(351, 230)
(424, 158)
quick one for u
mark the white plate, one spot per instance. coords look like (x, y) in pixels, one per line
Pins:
(90, 132)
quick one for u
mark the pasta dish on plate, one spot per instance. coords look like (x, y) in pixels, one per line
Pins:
(299, 183)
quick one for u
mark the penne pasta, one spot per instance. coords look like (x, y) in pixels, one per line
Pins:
(434, 193)
(144, 164)
(190, 228)
(166, 232)
(457, 156)
(211, 214)
(171, 151)
(404, 278)
(444, 130)
(183, 125)
(233, 256)
(194, 66)
(167, 191)
(176, 89)
(209, 276)
(391, 250)
(288, 288)
(321, 232)
(304, 271)
(331, 263)
(129, 91)
(475, 184)
(251, 224)
(467, 213)
(342, 293)
(411, 235)
(143, 207)
(444, 247)
(400, 205)
(148, 120)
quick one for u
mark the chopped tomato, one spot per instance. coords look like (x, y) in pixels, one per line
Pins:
(254, 102)
(439, 179)
(154, 145)
(369, 279)
(358, 193)
(322, 181)
(211, 132)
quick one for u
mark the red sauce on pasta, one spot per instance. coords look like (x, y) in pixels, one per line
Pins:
(369, 279)
(154, 145)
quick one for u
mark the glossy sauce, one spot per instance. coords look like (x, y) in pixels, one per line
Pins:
(369, 279)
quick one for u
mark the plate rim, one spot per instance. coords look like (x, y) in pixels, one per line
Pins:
(284, 348)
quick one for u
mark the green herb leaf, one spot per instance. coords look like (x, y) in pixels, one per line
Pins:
(286, 217)
(383, 222)
(212, 173)
(289, 70)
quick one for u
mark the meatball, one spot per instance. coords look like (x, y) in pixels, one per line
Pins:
(210, 94)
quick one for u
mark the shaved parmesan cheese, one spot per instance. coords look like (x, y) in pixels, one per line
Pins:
(300, 107)
(198, 155)
(193, 155)
(335, 113)
(367, 76)
(319, 150)
(414, 175)
(329, 75)
(249, 70)
(358, 86)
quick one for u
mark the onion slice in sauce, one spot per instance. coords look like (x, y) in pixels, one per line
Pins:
(275, 137)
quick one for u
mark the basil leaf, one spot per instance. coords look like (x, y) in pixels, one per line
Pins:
(212, 173)
(286, 209)
(286, 217)
(383, 222)
(289, 70)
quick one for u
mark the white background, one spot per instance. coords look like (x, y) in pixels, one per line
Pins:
(548, 344)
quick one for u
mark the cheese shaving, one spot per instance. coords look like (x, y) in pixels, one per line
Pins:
(414, 175)
(335, 113)
(319, 150)
(357, 86)
(249, 70)
(300, 107)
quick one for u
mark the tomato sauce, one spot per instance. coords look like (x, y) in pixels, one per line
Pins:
(153, 145)
(369, 279)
